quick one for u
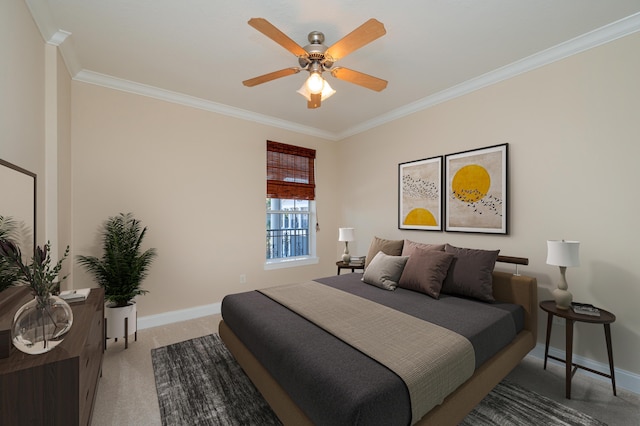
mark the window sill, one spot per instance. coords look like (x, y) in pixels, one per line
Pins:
(290, 262)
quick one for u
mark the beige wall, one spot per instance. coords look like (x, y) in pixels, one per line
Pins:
(22, 94)
(197, 180)
(572, 129)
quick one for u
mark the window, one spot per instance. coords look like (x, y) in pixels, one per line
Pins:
(288, 230)
(290, 209)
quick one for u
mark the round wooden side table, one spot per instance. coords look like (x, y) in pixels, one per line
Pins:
(605, 318)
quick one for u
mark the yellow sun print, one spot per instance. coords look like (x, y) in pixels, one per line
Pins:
(471, 183)
(420, 216)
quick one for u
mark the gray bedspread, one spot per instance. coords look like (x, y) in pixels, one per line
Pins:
(335, 384)
(431, 360)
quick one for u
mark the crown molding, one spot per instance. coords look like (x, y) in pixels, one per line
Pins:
(51, 35)
(58, 37)
(595, 38)
(194, 102)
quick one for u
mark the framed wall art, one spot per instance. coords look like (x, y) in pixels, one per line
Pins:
(420, 194)
(476, 197)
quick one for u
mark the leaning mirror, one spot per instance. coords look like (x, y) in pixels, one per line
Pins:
(18, 201)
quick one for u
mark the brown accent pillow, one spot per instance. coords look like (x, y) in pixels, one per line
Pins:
(470, 273)
(425, 270)
(384, 271)
(409, 246)
(390, 247)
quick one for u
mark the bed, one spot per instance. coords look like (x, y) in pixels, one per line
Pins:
(310, 376)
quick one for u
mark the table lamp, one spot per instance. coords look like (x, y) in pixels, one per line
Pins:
(346, 235)
(563, 254)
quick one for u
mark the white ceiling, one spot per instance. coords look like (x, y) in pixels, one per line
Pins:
(198, 52)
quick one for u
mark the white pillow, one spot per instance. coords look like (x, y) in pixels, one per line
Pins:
(384, 271)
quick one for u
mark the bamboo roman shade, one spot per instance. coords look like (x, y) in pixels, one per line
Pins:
(290, 172)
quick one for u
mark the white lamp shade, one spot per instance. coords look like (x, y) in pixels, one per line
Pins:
(563, 253)
(346, 234)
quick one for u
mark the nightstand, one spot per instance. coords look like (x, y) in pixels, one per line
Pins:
(605, 318)
(343, 265)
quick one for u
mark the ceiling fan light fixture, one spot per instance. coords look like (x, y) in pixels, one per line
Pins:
(317, 58)
(315, 83)
(327, 91)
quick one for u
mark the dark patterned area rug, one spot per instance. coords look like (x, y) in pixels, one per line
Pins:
(199, 383)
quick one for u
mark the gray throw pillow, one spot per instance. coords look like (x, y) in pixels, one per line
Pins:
(384, 271)
(471, 273)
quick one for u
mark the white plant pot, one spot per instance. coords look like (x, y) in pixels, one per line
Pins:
(115, 320)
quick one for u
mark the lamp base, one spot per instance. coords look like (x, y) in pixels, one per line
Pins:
(563, 298)
(346, 257)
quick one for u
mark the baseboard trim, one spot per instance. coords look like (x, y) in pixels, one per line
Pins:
(624, 379)
(177, 316)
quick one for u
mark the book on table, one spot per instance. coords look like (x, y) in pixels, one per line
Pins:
(585, 309)
(75, 295)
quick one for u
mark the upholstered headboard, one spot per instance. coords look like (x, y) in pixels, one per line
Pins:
(519, 289)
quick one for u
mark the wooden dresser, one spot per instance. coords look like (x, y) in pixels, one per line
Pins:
(59, 387)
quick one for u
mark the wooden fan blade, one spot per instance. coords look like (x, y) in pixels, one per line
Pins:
(359, 78)
(364, 34)
(271, 76)
(315, 101)
(268, 29)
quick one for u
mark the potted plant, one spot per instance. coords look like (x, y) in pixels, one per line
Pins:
(121, 270)
(42, 323)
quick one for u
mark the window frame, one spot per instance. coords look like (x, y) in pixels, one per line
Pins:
(289, 262)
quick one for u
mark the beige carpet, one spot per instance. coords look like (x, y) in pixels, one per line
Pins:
(127, 392)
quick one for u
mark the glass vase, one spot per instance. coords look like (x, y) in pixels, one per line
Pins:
(41, 324)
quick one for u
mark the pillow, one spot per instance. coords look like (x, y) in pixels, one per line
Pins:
(470, 273)
(384, 271)
(425, 270)
(409, 247)
(390, 247)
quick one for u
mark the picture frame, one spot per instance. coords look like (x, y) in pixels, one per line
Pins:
(420, 194)
(476, 191)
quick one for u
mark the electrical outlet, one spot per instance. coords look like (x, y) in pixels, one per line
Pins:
(558, 321)
(243, 279)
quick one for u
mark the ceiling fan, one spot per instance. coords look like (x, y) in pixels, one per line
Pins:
(317, 58)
